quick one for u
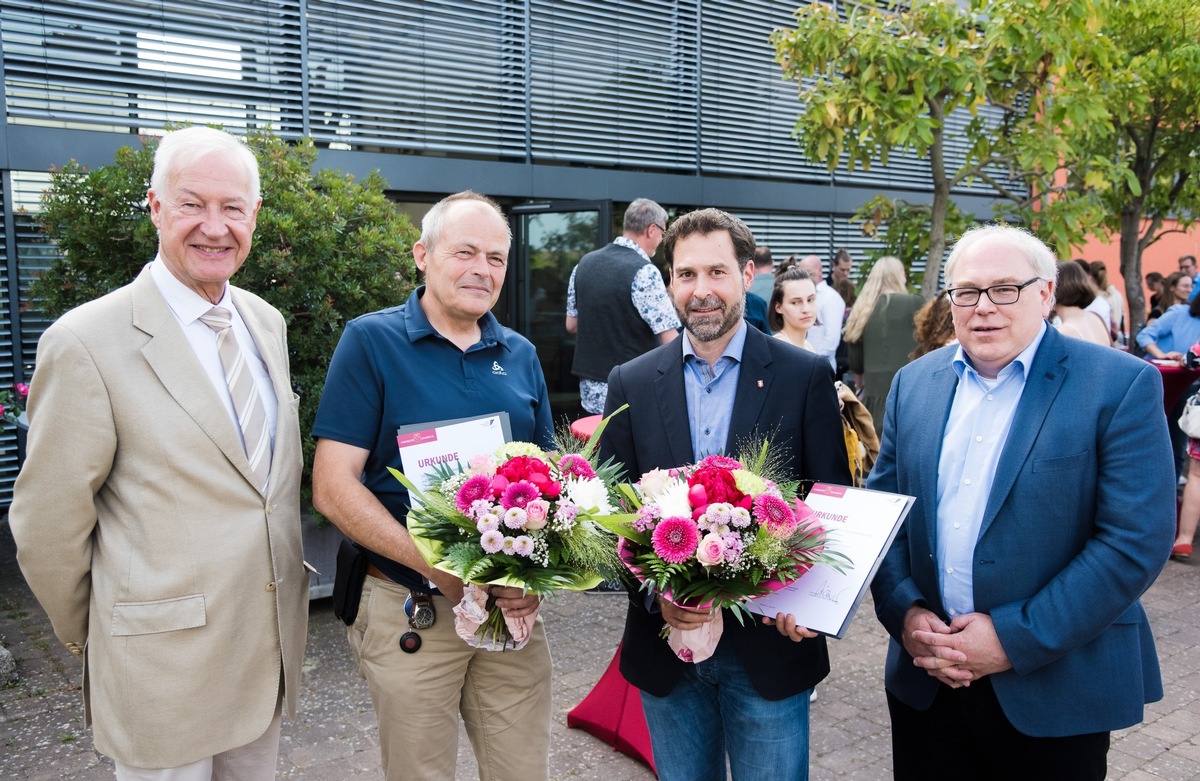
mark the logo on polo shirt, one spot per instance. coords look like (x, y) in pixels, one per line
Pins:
(498, 369)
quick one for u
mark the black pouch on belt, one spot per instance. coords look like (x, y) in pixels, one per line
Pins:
(348, 581)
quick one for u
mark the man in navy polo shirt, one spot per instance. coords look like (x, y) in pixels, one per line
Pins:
(440, 355)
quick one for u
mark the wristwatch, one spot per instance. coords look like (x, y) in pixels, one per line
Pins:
(420, 612)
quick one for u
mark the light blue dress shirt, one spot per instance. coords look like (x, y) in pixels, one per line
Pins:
(1175, 331)
(978, 426)
(710, 391)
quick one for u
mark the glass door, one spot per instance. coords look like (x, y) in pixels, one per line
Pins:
(549, 239)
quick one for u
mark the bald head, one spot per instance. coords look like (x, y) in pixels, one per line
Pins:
(812, 264)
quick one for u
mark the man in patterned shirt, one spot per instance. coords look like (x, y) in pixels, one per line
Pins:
(617, 304)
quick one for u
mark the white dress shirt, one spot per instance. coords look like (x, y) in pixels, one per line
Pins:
(981, 417)
(188, 306)
(826, 334)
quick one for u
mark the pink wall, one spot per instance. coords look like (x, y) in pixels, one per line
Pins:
(1161, 256)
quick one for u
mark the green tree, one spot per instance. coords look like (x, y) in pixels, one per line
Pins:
(1144, 163)
(326, 248)
(888, 75)
(902, 228)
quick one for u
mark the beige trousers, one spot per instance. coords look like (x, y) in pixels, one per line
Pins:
(502, 696)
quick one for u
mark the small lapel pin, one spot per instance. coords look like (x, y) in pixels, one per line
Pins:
(759, 383)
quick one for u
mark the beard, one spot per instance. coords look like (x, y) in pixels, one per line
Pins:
(708, 327)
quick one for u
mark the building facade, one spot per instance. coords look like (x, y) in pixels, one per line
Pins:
(563, 110)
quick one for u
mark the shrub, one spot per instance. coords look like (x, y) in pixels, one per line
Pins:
(326, 248)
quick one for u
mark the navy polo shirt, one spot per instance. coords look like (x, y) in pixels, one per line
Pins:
(391, 368)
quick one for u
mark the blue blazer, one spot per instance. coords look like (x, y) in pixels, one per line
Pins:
(784, 393)
(1079, 523)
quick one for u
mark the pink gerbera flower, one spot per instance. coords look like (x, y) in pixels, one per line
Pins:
(476, 488)
(519, 494)
(774, 513)
(675, 539)
(719, 462)
(575, 465)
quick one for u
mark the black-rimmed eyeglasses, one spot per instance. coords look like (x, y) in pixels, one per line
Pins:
(997, 294)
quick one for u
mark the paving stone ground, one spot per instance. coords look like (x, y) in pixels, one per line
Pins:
(42, 736)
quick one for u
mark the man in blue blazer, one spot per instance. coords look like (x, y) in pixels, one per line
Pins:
(719, 386)
(1045, 506)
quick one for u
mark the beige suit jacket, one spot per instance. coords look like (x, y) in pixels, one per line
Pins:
(140, 532)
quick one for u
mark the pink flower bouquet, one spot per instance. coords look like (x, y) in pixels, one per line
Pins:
(715, 534)
(519, 517)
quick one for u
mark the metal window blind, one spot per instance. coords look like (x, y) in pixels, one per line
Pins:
(747, 110)
(424, 76)
(35, 253)
(614, 83)
(8, 438)
(808, 234)
(136, 66)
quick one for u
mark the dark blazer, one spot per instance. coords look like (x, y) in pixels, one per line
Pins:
(783, 392)
(1079, 523)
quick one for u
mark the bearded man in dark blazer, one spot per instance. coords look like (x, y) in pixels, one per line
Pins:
(721, 385)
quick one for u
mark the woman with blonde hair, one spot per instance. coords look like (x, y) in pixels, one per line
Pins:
(880, 333)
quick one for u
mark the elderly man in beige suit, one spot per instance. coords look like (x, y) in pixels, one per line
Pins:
(157, 514)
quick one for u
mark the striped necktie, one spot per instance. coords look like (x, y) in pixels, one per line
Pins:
(244, 392)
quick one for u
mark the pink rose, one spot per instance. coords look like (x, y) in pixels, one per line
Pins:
(712, 550)
(482, 465)
(536, 513)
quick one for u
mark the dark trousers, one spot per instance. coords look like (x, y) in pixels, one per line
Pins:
(965, 736)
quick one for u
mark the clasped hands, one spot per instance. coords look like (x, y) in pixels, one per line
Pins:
(957, 653)
(685, 618)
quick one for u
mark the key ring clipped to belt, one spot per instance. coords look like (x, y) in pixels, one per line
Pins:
(421, 615)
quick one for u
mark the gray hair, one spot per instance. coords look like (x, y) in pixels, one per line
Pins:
(1041, 258)
(431, 223)
(643, 213)
(179, 148)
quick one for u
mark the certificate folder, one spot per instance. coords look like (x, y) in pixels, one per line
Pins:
(425, 447)
(860, 524)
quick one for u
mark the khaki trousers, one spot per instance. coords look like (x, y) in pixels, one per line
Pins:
(502, 696)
